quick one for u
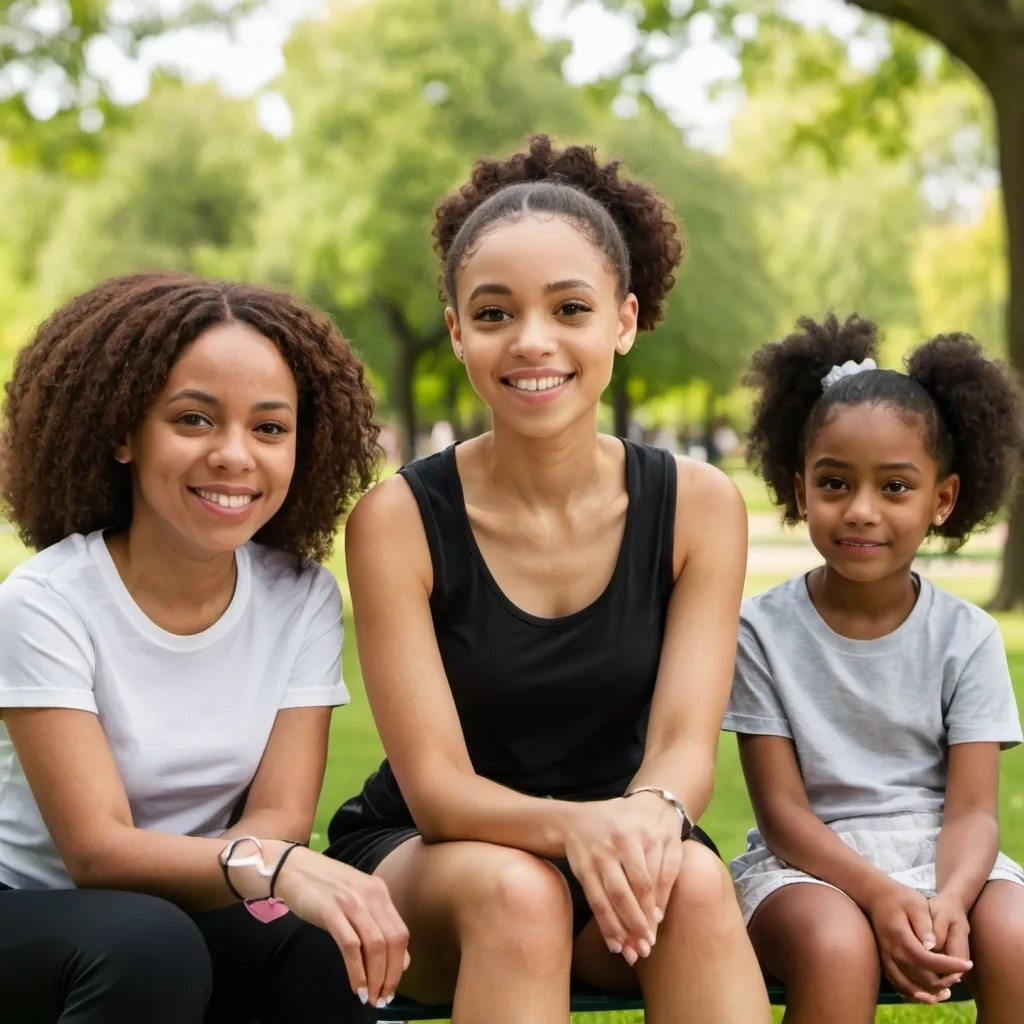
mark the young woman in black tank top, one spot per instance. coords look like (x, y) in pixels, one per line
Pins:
(546, 618)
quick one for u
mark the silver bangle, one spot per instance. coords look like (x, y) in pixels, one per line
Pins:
(685, 824)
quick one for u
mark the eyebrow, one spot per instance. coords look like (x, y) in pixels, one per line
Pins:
(555, 286)
(195, 395)
(489, 289)
(830, 463)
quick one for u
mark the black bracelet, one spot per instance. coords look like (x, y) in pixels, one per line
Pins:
(280, 864)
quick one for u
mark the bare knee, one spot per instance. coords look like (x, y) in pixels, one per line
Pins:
(810, 932)
(997, 932)
(703, 897)
(517, 899)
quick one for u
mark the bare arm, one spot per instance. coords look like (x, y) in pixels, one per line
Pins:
(696, 668)
(75, 781)
(792, 831)
(969, 839)
(391, 578)
(282, 799)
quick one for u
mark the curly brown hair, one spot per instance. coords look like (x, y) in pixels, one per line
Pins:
(971, 406)
(627, 220)
(93, 368)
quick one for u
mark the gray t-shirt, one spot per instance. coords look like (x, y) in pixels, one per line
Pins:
(872, 720)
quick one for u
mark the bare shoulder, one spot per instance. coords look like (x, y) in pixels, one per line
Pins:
(385, 530)
(705, 488)
(710, 512)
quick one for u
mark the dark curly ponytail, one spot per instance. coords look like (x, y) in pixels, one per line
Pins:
(627, 220)
(970, 405)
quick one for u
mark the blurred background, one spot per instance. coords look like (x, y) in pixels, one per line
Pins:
(857, 156)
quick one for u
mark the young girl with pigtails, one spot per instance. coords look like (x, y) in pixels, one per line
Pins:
(872, 706)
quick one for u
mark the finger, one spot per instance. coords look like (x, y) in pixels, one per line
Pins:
(957, 944)
(671, 864)
(396, 941)
(626, 906)
(347, 941)
(920, 919)
(613, 931)
(903, 984)
(374, 949)
(939, 964)
(940, 929)
(641, 881)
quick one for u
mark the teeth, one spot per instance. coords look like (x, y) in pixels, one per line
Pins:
(537, 383)
(226, 500)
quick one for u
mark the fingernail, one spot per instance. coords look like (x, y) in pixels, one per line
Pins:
(408, 960)
(929, 943)
(630, 956)
(381, 1004)
(615, 947)
(364, 995)
(970, 964)
(659, 914)
(644, 947)
(945, 994)
(650, 938)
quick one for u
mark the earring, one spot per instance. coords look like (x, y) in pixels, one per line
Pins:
(123, 459)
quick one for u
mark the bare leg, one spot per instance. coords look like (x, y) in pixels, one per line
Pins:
(702, 968)
(819, 943)
(489, 926)
(997, 949)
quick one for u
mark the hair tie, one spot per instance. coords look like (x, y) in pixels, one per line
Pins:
(848, 369)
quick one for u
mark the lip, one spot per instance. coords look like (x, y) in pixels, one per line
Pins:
(536, 373)
(226, 489)
(860, 545)
(234, 515)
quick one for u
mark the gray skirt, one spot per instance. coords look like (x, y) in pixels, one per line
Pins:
(901, 845)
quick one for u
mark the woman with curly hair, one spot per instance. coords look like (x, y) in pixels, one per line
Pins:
(180, 451)
(871, 705)
(546, 619)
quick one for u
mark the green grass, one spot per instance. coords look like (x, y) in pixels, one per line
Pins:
(355, 751)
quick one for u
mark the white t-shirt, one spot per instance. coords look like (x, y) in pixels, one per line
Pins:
(187, 717)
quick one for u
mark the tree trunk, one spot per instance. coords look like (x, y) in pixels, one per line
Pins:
(620, 403)
(405, 402)
(1004, 83)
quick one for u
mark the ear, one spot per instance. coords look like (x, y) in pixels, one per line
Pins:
(800, 493)
(451, 320)
(625, 335)
(946, 493)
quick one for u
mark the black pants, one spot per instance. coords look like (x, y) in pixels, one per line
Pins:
(81, 956)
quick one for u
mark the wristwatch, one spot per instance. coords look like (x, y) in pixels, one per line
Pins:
(684, 818)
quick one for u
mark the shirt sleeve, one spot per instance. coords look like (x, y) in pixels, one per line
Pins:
(754, 707)
(315, 680)
(983, 708)
(47, 659)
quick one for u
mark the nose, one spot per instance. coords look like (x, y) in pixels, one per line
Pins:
(862, 508)
(232, 451)
(534, 339)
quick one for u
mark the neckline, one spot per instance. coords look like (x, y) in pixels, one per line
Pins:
(97, 547)
(812, 619)
(455, 483)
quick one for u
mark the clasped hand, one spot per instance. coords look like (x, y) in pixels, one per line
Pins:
(923, 943)
(626, 853)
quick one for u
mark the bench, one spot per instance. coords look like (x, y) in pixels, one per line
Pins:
(586, 1000)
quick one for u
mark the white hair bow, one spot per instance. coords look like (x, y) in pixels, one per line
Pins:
(848, 369)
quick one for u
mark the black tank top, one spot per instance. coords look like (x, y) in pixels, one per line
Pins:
(549, 707)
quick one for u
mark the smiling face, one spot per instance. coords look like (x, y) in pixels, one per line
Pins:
(870, 490)
(214, 455)
(539, 322)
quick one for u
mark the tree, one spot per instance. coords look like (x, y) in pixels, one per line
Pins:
(44, 49)
(392, 103)
(706, 334)
(175, 192)
(987, 37)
